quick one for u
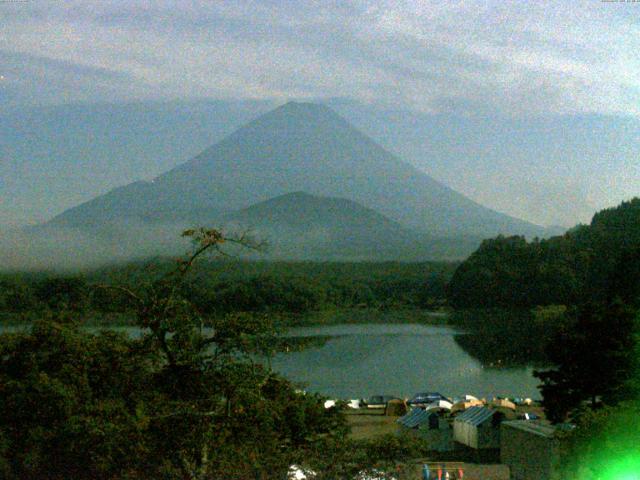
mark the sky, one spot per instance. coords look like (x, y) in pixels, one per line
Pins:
(511, 60)
(511, 56)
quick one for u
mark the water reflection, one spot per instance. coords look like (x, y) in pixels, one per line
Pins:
(356, 360)
(361, 360)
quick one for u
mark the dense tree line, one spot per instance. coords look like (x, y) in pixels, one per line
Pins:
(594, 349)
(224, 287)
(595, 384)
(597, 262)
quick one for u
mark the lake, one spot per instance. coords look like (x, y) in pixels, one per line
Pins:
(360, 360)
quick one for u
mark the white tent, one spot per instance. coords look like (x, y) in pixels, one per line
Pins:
(443, 404)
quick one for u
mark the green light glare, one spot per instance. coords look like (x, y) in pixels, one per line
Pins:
(626, 468)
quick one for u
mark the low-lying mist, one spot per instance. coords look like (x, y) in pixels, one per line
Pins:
(72, 249)
(61, 248)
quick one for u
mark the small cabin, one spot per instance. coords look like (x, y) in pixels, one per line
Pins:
(530, 449)
(431, 426)
(419, 418)
(478, 428)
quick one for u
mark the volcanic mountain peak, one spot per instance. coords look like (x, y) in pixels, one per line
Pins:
(298, 147)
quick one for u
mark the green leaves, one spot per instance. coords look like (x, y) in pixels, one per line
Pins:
(595, 360)
(68, 403)
(184, 401)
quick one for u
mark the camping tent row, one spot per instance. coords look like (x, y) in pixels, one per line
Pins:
(464, 405)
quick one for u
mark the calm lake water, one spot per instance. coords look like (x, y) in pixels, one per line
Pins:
(360, 360)
(396, 359)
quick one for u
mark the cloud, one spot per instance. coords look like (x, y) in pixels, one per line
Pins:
(502, 56)
(27, 78)
(56, 248)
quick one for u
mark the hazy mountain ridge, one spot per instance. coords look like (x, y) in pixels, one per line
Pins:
(52, 158)
(303, 226)
(75, 152)
(298, 147)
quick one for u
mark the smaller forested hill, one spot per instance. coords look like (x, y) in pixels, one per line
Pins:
(600, 261)
(301, 226)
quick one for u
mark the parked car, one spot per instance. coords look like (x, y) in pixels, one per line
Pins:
(378, 401)
(528, 416)
(426, 398)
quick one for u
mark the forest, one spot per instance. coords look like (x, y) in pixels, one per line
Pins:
(596, 262)
(182, 402)
(177, 402)
(222, 287)
(587, 282)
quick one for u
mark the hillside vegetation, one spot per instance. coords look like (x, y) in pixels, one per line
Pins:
(595, 262)
(221, 287)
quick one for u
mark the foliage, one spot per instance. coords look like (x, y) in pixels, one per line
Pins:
(590, 364)
(604, 445)
(181, 401)
(598, 262)
(218, 288)
(71, 404)
(593, 270)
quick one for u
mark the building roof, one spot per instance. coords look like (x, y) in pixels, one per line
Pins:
(475, 415)
(535, 428)
(415, 417)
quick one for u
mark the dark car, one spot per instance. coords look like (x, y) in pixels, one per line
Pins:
(426, 398)
(378, 401)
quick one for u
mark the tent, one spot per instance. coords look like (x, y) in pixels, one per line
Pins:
(440, 404)
(378, 401)
(465, 404)
(464, 398)
(396, 408)
(502, 403)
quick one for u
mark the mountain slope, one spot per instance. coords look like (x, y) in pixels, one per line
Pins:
(302, 226)
(52, 158)
(296, 147)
